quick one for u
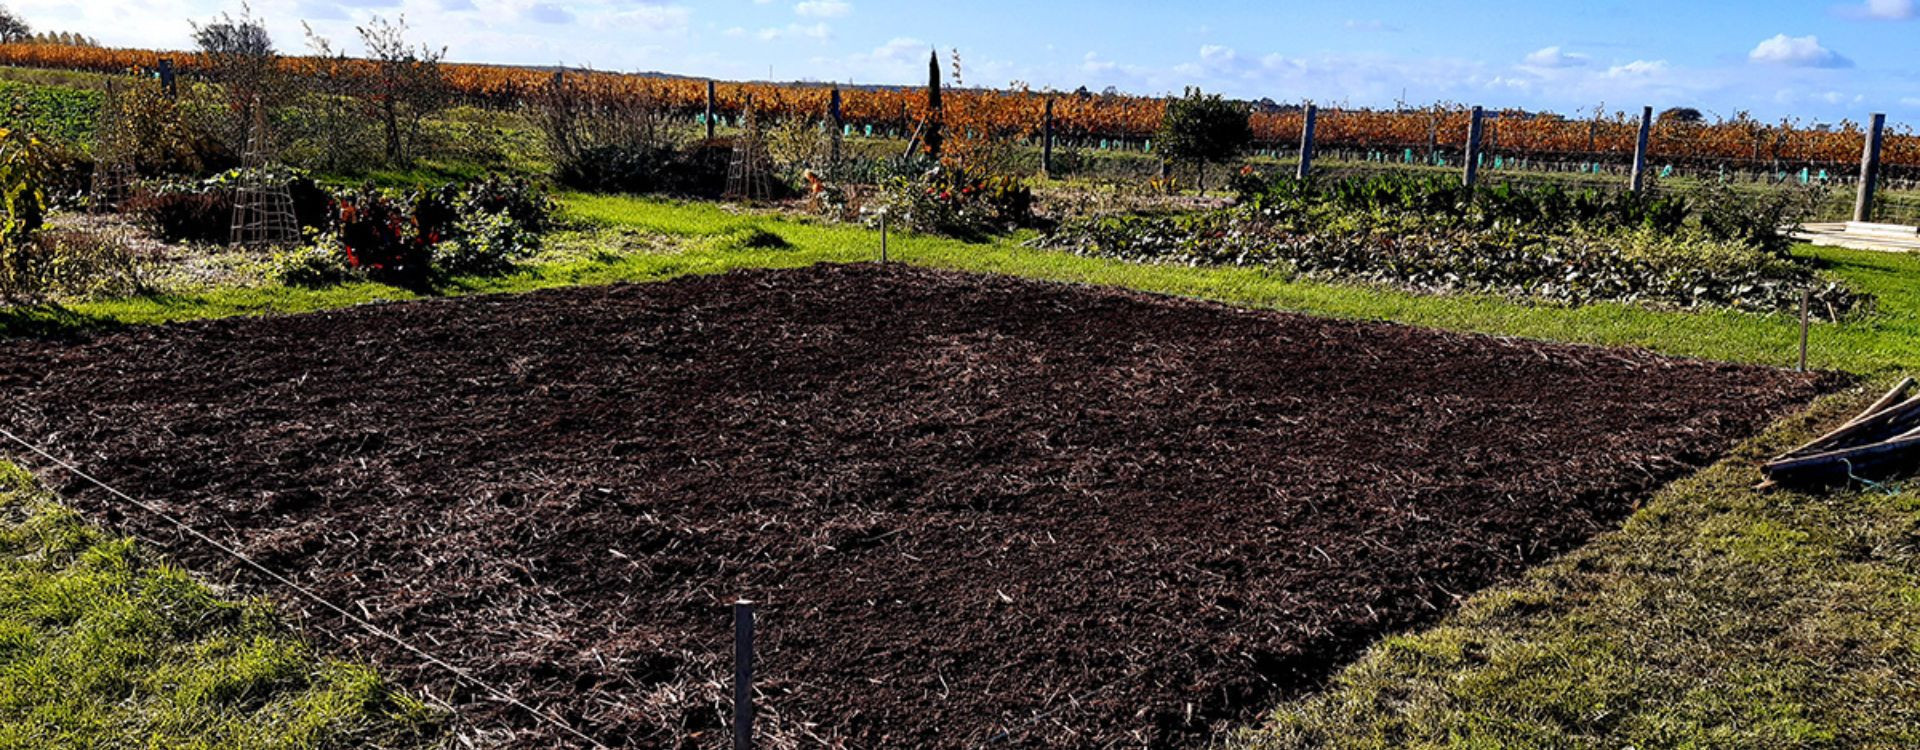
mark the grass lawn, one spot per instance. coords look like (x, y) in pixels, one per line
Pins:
(101, 646)
(1716, 617)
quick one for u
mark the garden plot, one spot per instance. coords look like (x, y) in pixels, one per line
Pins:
(975, 510)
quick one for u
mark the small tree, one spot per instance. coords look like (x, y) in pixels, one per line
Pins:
(408, 85)
(12, 28)
(1683, 116)
(1202, 129)
(239, 56)
(335, 85)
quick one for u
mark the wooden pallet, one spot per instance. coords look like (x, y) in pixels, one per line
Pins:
(1882, 441)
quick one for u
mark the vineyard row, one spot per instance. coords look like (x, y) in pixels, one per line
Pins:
(1020, 114)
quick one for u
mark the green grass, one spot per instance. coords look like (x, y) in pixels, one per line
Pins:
(712, 239)
(1717, 617)
(102, 646)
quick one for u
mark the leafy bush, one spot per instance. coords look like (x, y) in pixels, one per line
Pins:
(23, 199)
(959, 202)
(76, 262)
(528, 206)
(481, 227)
(380, 233)
(485, 244)
(1766, 219)
(202, 210)
(183, 212)
(1437, 201)
(317, 265)
(698, 171)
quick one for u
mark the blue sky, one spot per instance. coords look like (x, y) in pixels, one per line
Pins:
(1819, 61)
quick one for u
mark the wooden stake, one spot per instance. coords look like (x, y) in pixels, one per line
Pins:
(1474, 131)
(710, 97)
(1806, 325)
(1870, 169)
(1640, 150)
(883, 237)
(743, 675)
(1306, 142)
(1046, 148)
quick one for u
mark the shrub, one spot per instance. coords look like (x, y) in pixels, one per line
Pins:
(518, 198)
(76, 262)
(479, 228)
(960, 203)
(202, 210)
(377, 233)
(320, 264)
(485, 244)
(1766, 220)
(183, 212)
(23, 198)
(697, 171)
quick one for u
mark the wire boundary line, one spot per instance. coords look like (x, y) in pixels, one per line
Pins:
(461, 674)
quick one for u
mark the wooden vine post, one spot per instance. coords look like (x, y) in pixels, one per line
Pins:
(1046, 145)
(710, 97)
(1474, 132)
(1870, 169)
(1306, 142)
(1640, 150)
(836, 121)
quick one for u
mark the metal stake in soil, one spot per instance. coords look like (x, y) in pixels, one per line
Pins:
(883, 237)
(743, 675)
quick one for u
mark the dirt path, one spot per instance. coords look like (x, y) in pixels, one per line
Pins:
(963, 501)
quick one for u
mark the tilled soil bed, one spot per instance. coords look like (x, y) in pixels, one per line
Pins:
(974, 510)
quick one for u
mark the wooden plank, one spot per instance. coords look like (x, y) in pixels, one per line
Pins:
(1840, 465)
(1880, 416)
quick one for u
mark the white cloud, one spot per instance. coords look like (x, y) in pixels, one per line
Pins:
(1555, 57)
(902, 49)
(658, 19)
(1888, 10)
(548, 13)
(1797, 52)
(1638, 69)
(1371, 24)
(823, 8)
(819, 31)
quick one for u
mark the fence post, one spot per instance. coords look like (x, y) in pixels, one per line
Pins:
(1306, 142)
(839, 127)
(1046, 148)
(1640, 149)
(1870, 169)
(743, 675)
(1474, 132)
(167, 78)
(710, 98)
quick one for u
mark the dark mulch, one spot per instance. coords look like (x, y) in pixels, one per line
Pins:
(969, 505)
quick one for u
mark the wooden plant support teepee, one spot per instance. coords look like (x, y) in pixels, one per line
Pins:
(262, 205)
(749, 176)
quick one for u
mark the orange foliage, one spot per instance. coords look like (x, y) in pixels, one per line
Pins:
(986, 115)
